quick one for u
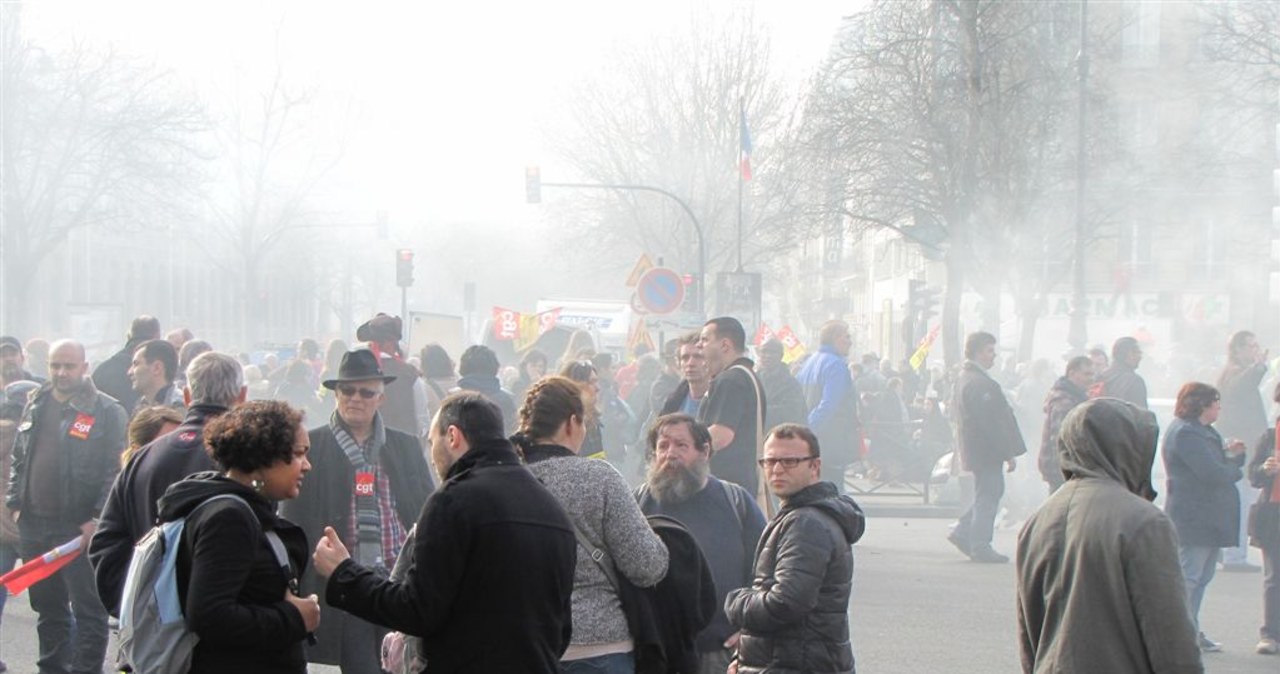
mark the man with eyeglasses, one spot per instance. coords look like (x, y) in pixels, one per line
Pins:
(794, 615)
(368, 482)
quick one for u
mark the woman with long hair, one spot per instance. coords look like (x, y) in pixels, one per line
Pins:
(1201, 499)
(598, 501)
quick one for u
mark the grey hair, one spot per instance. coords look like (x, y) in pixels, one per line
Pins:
(215, 379)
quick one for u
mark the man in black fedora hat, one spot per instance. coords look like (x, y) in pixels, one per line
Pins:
(368, 482)
(405, 407)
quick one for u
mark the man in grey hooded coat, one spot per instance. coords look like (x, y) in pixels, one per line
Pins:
(1099, 588)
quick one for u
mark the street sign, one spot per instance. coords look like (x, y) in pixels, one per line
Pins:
(660, 290)
(738, 294)
(643, 265)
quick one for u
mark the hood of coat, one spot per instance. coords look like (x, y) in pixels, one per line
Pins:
(1110, 439)
(841, 507)
(183, 496)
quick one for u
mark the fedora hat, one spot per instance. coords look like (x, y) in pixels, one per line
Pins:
(358, 365)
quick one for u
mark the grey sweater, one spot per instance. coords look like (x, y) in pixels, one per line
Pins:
(597, 499)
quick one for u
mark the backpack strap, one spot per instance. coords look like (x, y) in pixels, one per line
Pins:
(763, 496)
(597, 555)
(734, 492)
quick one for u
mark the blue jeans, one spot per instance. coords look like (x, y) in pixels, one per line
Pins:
(1198, 566)
(614, 663)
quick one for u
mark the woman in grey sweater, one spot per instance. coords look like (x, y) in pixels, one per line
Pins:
(596, 498)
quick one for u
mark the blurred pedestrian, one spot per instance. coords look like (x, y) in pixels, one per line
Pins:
(988, 439)
(405, 408)
(1121, 380)
(13, 363)
(152, 372)
(146, 425)
(785, 396)
(1202, 500)
(1264, 531)
(533, 366)
(478, 370)
(1069, 390)
(1243, 416)
(832, 400)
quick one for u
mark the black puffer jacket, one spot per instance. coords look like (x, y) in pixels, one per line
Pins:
(794, 618)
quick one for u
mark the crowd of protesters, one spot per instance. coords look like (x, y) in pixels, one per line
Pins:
(436, 498)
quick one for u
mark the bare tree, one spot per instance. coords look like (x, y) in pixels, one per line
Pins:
(272, 172)
(666, 114)
(944, 120)
(89, 138)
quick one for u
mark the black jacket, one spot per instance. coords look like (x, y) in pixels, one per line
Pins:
(231, 586)
(89, 464)
(1264, 536)
(492, 580)
(795, 616)
(675, 399)
(666, 618)
(112, 375)
(325, 500)
(1243, 414)
(986, 427)
(785, 395)
(131, 510)
(1123, 382)
(490, 388)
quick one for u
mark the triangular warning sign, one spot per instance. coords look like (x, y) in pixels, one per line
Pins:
(643, 265)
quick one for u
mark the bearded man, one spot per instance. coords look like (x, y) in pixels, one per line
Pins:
(722, 516)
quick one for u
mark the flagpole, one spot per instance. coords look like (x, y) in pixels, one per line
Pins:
(742, 122)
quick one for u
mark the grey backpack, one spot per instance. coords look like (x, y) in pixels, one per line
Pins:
(154, 638)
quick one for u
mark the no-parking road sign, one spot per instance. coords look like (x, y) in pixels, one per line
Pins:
(660, 290)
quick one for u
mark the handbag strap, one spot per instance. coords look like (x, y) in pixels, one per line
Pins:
(763, 497)
(597, 555)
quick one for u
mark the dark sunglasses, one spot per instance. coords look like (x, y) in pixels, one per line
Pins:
(351, 391)
(788, 462)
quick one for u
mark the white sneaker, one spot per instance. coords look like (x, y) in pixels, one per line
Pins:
(1208, 645)
(1267, 646)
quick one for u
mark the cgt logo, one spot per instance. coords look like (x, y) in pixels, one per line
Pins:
(364, 484)
(81, 427)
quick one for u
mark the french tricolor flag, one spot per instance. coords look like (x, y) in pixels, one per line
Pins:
(744, 161)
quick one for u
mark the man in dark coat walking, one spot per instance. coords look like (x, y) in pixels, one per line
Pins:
(368, 481)
(1070, 390)
(989, 437)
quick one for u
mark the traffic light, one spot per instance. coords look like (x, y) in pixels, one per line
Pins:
(404, 267)
(692, 295)
(929, 307)
(922, 301)
(533, 184)
(915, 300)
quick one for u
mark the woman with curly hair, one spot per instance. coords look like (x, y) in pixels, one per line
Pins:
(233, 593)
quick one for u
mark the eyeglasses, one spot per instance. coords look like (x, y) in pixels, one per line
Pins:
(788, 462)
(351, 391)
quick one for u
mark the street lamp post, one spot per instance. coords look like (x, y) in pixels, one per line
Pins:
(1077, 335)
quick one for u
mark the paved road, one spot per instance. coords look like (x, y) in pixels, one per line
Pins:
(918, 606)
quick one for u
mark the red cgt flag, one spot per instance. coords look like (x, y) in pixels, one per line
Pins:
(41, 567)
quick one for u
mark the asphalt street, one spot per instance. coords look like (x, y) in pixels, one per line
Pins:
(918, 606)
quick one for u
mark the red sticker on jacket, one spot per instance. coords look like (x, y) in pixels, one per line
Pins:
(364, 483)
(81, 426)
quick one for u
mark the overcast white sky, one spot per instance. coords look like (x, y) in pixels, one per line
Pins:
(445, 99)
